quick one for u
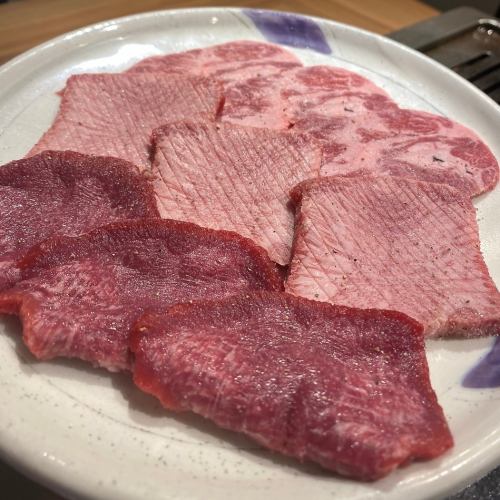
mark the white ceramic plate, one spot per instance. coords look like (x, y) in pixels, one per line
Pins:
(87, 433)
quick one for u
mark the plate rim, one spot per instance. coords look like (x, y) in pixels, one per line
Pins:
(38, 470)
(98, 26)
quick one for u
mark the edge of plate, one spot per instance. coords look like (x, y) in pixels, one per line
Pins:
(38, 469)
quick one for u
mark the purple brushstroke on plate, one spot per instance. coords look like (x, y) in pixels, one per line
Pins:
(486, 374)
(289, 29)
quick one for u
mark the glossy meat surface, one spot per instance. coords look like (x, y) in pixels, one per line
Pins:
(247, 70)
(114, 114)
(79, 296)
(346, 388)
(226, 176)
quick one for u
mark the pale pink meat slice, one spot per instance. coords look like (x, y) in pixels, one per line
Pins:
(345, 388)
(114, 114)
(362, 130)
(248, 71)
(226, 176)
(227, 62)
(317, 99)
(79, 296)
(392, 243)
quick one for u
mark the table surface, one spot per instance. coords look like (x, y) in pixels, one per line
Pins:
(26, 23)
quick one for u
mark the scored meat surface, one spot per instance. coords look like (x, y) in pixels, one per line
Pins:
(346, 388)
(360, 128)
(114, 114)
(226, 176)
(79, 296)
(247, 70)
(64, 193)
(391, 243)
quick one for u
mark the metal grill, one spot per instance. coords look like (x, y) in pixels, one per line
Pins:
(465, 40)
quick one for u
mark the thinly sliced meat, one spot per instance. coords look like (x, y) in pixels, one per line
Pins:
(346, 388)
(79, 296)
(238, 60)
(256, 102)
(231, 177)
(248, 71)
(392, 243)
(64, 193)
(317, 99)
(366, 132)
(114, 114)
(361, 130)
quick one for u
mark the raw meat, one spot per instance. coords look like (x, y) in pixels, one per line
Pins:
(114, 114)
(64, 193)
(248, 71)
(231, 177)
(391, 243)
(299, 96)
(361, 130)
(346, 388)
(227, 62)
(79, 296)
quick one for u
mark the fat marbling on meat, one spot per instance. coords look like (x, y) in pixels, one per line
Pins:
(232, 177)
(114, 114)
(247, 70)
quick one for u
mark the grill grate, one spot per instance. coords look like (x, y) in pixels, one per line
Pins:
(465, 40)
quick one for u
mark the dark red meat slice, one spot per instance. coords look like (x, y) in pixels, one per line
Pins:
(346, 388)
(64, 193)
(248, 71)
(79, 296)
(391, 243)
(114, 114)
(231, 177)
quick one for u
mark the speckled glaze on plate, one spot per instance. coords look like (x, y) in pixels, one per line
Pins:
(90, 434)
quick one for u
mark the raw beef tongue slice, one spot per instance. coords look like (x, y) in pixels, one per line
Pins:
(361, 129)
(238, 60)
(114, 114)
(248, 70)
(402, 142)
(64, 193)
(319, 100)
(79, 296)
(226, 176)
(346, 388)
(392, 243)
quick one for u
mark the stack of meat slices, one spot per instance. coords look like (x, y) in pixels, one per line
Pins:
(151, 226)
